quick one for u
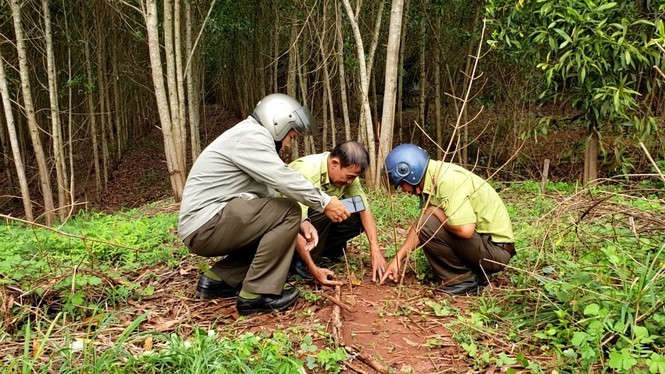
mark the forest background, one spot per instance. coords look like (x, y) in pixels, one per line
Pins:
(478, 83)
(516, 90)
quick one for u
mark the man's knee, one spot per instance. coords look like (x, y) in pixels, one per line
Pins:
(429, 226)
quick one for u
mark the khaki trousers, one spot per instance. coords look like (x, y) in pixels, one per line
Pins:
(258, 238)
(455, 259)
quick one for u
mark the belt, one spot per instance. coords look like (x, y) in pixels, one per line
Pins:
(509, 247)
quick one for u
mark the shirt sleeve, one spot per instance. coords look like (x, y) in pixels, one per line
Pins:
(458, 207)
(311, 174)
(255, 154)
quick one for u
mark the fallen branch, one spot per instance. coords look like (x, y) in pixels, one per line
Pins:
(338, 302)
(367, 360)
(337, 333)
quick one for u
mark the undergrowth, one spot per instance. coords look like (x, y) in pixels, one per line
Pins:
(587, 286)
(584, 293)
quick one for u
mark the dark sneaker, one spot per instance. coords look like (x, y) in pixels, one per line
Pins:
(209, 288)
(468, 287)
(267, 303)
(299, 268)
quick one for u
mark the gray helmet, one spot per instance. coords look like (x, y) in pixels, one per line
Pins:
(280, 113)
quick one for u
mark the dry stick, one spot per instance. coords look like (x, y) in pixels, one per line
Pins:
(337, 333)
(337, 301)
(646, 152)
(367, 360)
(83, 238)
(355, 368)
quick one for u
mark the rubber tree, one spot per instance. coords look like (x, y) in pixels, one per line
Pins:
(390, 90)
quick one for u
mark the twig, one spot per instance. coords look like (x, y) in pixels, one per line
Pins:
(646, 152)
(367, 360)
(355, 368)
(338, 302)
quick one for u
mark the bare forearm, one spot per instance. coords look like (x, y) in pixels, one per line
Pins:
(369, 225)
(463, 231)
(409, 245)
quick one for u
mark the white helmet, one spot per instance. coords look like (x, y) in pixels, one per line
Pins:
(280, 113)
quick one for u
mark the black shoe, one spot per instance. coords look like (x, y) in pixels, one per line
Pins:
(267, 303)
(468, 287)
(209, 288)
(301, 269)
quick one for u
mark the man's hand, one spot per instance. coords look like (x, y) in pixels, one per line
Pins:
(309, 234)
(392, 271)
(336, 211)
(324, 276)
(378, 265)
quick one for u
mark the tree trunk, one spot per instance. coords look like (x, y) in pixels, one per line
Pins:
(292, 74)
(28, 106)
(192, 93)
(180, 80)
(437, 87)
(6, 162)
(104, 125)
(591, 157)
(56, 128)
(118, 107)
(342, 72)
(464, 141)
(389, 98)
(91, 112)
(176, 172)
(400, 72)
(366, 118)
(172, 86)
(13, 140)
(422, 107)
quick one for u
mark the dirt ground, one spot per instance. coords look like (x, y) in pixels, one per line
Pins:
(386, 328)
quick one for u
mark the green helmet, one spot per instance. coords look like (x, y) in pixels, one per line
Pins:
(280, 113)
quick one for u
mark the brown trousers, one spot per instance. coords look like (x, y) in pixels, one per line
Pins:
(455, 259)
(258, 238)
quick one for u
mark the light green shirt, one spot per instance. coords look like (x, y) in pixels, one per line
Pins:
(467, 198)
(315, 169)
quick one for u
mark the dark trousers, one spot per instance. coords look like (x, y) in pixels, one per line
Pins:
(333, 236)
(455, 259)
(258, 238)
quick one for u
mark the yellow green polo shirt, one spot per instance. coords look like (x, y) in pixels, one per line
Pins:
(315, 169)
(467, 198)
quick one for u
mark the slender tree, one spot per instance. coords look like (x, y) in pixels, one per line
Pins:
(366, 112)
(16, 148)
(390, 81)
(174, 152)
(56, 128)
(28, 106)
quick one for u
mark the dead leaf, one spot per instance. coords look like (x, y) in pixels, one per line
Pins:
(411, 343)
(147, 344)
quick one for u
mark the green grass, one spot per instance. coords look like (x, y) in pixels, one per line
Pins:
(584, 293)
